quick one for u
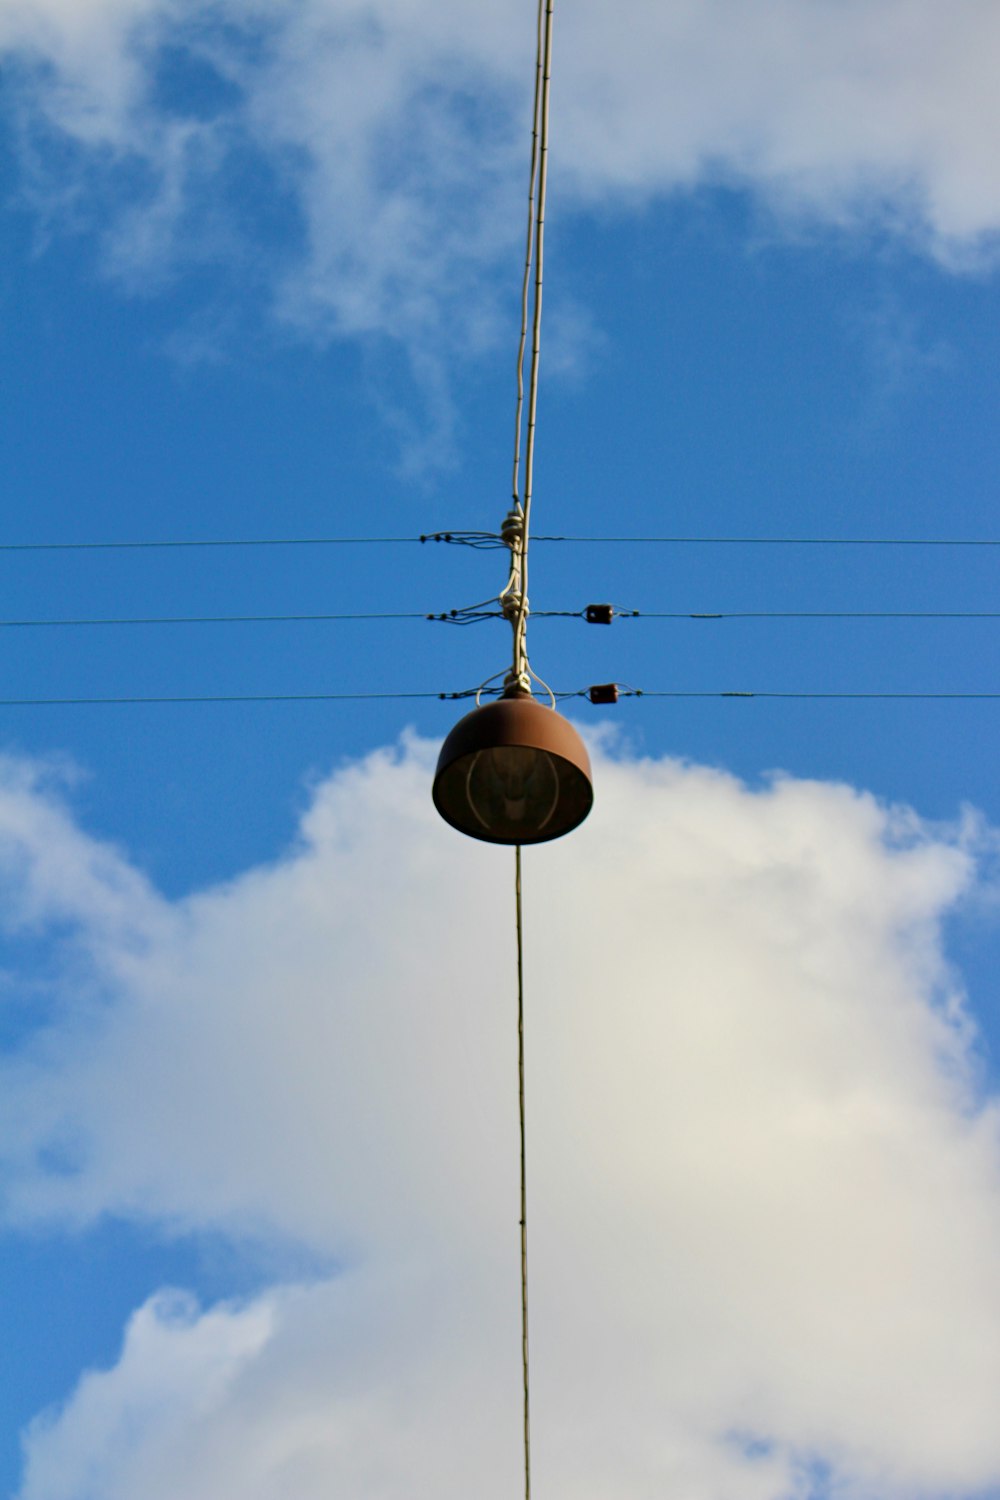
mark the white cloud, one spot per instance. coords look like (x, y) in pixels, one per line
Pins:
(396, 132)
(765, 1191)
(175, 1372)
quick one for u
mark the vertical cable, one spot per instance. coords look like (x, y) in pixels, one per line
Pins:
(545, 41)
(524, 1174)
(534, 254)
(529, 257)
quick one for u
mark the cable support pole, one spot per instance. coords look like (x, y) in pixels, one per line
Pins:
(524, 1173)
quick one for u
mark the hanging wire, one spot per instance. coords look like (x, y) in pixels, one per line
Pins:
(524, 1172)
(545, 10)
(529, 256)
(515, 531)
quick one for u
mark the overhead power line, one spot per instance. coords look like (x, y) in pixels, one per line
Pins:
(744, 693)
(461, 617)
(201, 620)
(268, 541)
(821, 614)
(603, 614)
(486, 539)
(128, 700)
(785, 541)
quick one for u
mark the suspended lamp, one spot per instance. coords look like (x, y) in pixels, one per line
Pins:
(513, 772)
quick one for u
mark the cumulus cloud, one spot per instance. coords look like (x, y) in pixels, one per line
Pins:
(765, 1186)
(393, 136)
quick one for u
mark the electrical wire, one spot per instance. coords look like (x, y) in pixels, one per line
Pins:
(529, 256)
(202, 620)
(267, 541)
(784, 541)
(743, 693)
(515, 597)
(218, 698)
(522, 674)
(524, 1171)
(815, 614)
(545, 9)
(491, 540)
(484, 691)
(475, 614)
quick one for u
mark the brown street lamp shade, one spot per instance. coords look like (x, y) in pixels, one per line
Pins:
(513, 772)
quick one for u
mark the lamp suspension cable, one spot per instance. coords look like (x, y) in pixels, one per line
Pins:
(513, 601)
(529, 259)
(515, 531)
(524, 1171)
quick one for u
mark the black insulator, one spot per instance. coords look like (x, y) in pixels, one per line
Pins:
(599, 614)
(604, 692)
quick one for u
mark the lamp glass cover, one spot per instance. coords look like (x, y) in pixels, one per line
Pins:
(512, 790)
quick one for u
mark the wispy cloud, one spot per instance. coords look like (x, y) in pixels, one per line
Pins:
(355, 169)
(394, 135)
(765, 1184)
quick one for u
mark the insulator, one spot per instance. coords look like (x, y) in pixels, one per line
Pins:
(512, 530)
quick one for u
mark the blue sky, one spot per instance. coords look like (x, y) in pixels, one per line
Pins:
(260, 280)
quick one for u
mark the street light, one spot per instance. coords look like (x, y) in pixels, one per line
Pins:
(513, 772)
